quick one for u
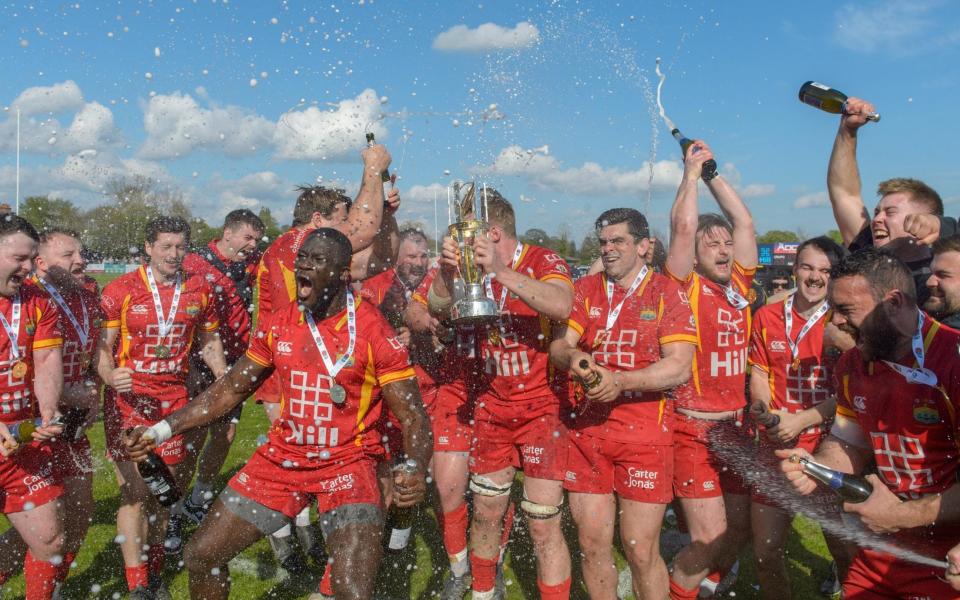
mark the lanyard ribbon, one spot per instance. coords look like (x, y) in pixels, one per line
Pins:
(614, 311)
(335, 367)
(734, 298)
(82, 332)
(13, 331)
(164, 324)
(503, 292)
(919, 374)
(788, 323)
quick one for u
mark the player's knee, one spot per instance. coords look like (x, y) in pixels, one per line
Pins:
(198, 555)
(543, 520)
(642, 554)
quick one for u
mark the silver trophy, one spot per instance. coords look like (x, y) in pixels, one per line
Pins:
(467, 214)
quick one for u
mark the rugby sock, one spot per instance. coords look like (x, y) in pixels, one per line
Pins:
(560, 591)
(156, 559)
(454, 525)
(303, 518)
(284, 531)
(484, 573)
(41, 577)
(326, 584)
(64, 567)
(199, 494)
(681, 593)
(137, 576)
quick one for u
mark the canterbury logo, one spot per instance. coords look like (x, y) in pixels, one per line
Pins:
(284, 347)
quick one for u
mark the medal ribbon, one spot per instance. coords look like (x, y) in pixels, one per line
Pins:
(82, 332)
(335, 367)
(13, 332)
(734, 298)
(614, 312)
(164, 324)
(503, 292)
(918, 374)
(788, 324)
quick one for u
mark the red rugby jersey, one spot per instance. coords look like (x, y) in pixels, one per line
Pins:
(39, 328)
(311, 426)
(516, 352)
(791, 389)
(276, 281)
(233, 310)
(656, 314)
(128, 306)
(911, 427)
(77, 355)
(718, 380)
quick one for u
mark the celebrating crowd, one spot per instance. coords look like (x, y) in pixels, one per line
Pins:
(618, 396)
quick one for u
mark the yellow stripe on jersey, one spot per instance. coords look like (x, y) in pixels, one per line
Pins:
(366, 395)
(680, 337)
(557, 277)
(49, 343)
(289, 282)
(258, 359)
(407, 373)
(124, 333)
(575, 326)
(694, 298)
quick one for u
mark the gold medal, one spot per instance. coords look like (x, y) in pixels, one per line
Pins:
(600, 338)
(796, 364)
(493, 335)
(19, 369)
(162, 351)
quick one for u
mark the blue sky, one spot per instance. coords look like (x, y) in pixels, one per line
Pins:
(234, 103)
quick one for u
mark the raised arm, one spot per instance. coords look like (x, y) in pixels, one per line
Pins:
(382, 253)
(366, 214)
(744, 234)
(684, 213)
(403, 400)
(843, 174)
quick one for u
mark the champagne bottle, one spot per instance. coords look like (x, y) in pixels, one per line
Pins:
(827, 99)
(851, 488)
(402, 517)
(592, 380)
(159, 479)
(74, 418)
(709, 168)
(371, 140)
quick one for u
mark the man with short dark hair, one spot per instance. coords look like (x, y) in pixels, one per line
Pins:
(229, 264)
(896, 397)
(337, 358)
(632, 330)
(908, 217)
(31, 381)
(151, 318)
(944, 282)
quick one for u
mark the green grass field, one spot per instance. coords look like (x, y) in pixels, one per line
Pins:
(98, 572)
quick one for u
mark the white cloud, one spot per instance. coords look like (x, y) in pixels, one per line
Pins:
(589, 179)
(314, 134)
(812, 200)
(757, 190)
(904, 27)
(92, 127)
(486, 37)
(425, 194)
(56, 98)
(177, 125)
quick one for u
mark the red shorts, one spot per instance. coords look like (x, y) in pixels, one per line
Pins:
(766, 457)
(634, 471)
(72, 459)
(289, 490)
(697, 473)
(451, 416)
(27, 479)
(123, 411)
(875, 575)
(527, 435)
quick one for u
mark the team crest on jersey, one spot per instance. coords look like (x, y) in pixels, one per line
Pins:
(30, 326)
(193, 310)
(925, 412)
(351, 361)
(648, 315)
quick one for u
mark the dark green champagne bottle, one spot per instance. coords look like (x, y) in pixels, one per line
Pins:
(827, 99)
(852, 488)
(709, 169)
